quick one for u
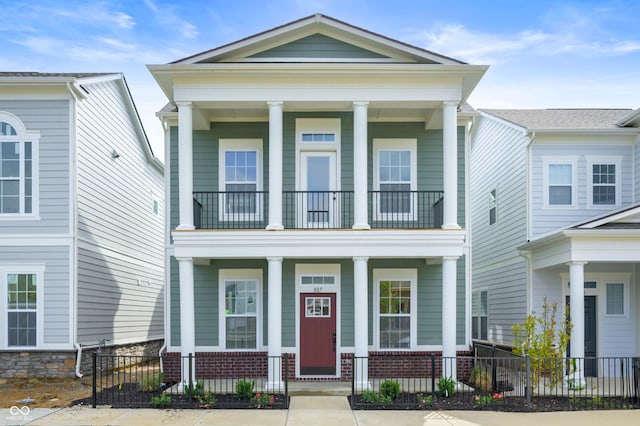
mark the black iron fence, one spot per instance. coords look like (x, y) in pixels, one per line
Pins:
(317, 209)
(210, 381)
(500, 382)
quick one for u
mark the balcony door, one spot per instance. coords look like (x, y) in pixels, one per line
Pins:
(318, 183)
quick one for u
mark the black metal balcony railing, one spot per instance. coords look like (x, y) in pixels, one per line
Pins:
(317, 209)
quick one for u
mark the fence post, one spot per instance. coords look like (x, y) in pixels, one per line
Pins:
(190, 370)
(95, 371)
(286, 380)
(494, 376)
(353, 379)
(433, 375)
(527, 386)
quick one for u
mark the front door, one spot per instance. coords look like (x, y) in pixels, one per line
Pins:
(317, 334)
(590, 342)
(318, 181)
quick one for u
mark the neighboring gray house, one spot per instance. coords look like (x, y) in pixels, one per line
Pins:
(81, 224)
(556, 200)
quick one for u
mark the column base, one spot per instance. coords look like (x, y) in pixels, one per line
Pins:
(451, 226)
(276, 386)
(185, 228)
(362, 386)
(274, 227)
(361, 226)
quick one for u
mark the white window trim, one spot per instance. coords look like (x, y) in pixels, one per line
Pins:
(225, 145)
(24, 135)
(238, 274)
(38, 270)
(615, 160)
(397, 144)
(601, 279)
(410, 275)
(479, 292)
(546, 162)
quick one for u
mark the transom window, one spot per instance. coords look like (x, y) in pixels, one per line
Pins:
(318, 279)
(17, 166)
(318, 137)
(604, 184)
(560, 184)
(22, 309)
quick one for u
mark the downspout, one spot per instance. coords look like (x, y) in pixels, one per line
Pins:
(167, 202)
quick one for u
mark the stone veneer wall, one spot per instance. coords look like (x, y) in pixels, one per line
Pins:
(62, 364)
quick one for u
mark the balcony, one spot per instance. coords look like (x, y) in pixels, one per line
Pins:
(317, 209)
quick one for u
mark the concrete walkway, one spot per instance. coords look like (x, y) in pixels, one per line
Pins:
(314, 410)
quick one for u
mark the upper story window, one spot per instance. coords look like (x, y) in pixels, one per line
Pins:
(395, 177)
(492, 207)
(560, 184)
(240, 178)
(18, 183)
(604, 180)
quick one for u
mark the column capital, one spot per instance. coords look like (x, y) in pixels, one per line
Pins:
(577, 263)
(360, 258)
(184, 259)
(275, 103)
(451, 103)
(360, 104)
(274, 259)
(183, 103)
(451, 258)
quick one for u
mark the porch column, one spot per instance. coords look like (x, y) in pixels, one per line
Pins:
(187, 317)
(275, 166)
(450, 165)
(449, 285)
(360, 218)
(576, 313)
(274, 324)
(361, 323)
(185, 165)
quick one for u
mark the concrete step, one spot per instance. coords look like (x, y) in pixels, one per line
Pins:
(319, 388)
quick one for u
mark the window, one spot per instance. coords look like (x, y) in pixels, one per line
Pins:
(395, 169)
(318, 307)
(318, 137)
(240, 180)
(560, 184)
(492, 207)
(240, 310)
(395, 308)
(22, 306)
(615, 298)
(17, 167)
(156, 207)
(479, 309)
(603, 173)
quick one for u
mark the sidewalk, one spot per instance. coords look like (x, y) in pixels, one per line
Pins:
(314, 410)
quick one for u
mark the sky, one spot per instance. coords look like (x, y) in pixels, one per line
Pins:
(541, 53)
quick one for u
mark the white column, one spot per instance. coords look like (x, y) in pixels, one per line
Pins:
(576, 312)
(275, 166)
(360, 218)
(274, 324)
(449, 285)
(450, 165)
(185, 165)
(361, 322)
(187, 317)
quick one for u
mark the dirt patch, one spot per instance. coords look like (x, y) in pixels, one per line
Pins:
(44, 393)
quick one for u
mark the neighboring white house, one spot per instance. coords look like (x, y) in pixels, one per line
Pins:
(556, 215)
(317, 177)
(81, 224)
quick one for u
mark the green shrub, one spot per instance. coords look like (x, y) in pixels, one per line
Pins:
(151, 383)
(446, 387)
(194, 391)
(372, 397)
(481, 379)
(244, 388)
(544, 342)
(390, 388)
(423, 399)
(163, 400)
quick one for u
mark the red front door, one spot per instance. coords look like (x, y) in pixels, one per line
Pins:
(317, 334)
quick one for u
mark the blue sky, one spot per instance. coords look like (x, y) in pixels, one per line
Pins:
(542, 53)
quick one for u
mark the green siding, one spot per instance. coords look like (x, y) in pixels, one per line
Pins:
(174, 302)
(288, 304)
(317, 46)
(205, 294)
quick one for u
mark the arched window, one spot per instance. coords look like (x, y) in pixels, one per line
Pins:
(17, 167)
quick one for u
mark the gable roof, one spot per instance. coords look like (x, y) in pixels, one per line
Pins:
(562, 119)
(380, 47)
(626, 218)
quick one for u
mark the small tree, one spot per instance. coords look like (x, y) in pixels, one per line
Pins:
(545, 343)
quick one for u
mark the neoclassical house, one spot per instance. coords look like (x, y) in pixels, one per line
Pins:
(317, 193)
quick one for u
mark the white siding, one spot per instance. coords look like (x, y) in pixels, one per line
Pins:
(51, 119)
(546, 220)
(499, 162)
(121, 239)
(636, 172)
